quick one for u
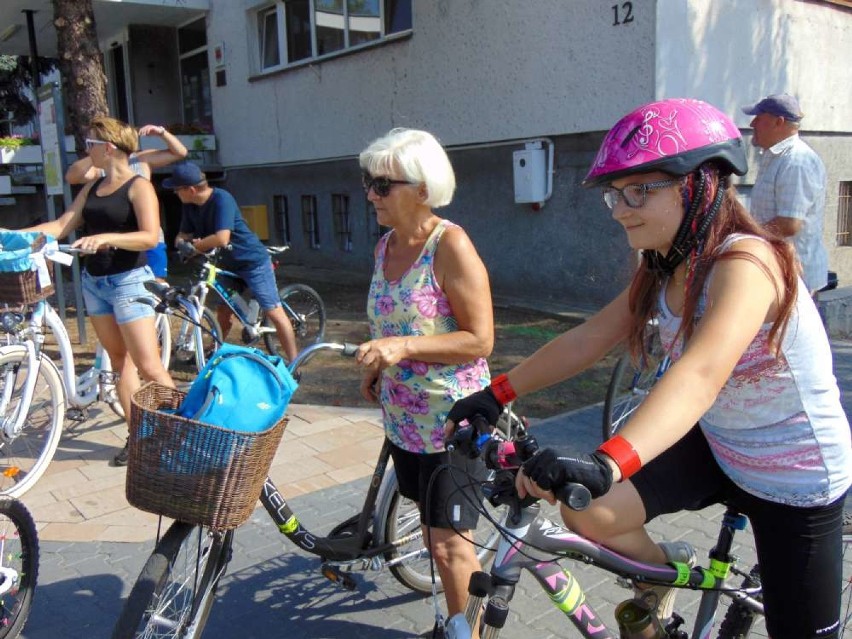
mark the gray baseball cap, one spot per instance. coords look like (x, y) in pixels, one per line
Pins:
(780, 104)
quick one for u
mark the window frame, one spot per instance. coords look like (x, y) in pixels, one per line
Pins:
(280, 9)
(310, 221)
(281, 211)
(342, 218)
(843, 232)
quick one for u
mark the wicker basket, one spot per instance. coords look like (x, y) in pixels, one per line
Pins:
(194, 472)
(23, 287)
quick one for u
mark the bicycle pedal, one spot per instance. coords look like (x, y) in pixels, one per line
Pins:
(77, 414)
(333, 574)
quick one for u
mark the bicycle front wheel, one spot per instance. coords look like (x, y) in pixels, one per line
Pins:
(185, 351)
(306, 312)
(164, 338)
(410, 563)
(18, 566)
(25, 455)
(175, 590)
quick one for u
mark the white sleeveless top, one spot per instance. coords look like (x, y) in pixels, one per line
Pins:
(777, 427)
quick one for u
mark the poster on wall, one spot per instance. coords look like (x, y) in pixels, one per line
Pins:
(52, 142)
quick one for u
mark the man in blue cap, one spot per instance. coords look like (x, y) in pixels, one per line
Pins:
(789, 193)
(211, 219)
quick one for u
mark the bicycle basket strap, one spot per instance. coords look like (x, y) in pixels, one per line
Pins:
(240, 388)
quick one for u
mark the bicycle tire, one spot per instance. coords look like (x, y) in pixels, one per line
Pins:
(398, 516)
(627, 389)
(25, 457)
(739, 619)
(174, 592)
(19, 559)
(164, 338)
(306, 312)
(183, 329)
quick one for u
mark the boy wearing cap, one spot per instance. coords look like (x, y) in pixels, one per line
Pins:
(789, 193)
(211, 219)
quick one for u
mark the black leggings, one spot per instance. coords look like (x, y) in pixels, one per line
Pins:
(798, 549)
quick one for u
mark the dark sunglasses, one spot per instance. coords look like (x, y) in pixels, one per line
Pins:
(381, 185)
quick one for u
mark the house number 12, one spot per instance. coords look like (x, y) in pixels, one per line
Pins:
(627, 8)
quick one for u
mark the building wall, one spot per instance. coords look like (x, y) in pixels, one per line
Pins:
(472, 72)
(479, 74)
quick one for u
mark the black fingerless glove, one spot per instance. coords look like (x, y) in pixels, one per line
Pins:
(551, 470)
(479, 403)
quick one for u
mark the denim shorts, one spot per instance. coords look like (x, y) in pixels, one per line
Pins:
(261, 281)
(116, 294)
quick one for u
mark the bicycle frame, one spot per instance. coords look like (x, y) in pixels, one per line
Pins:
(531, 541)
(353, 551)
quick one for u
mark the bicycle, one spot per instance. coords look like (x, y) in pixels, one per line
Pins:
(173, 594)
(19, 559)
(197, 332)
(532, 542)
(629, 384)
(34, 394)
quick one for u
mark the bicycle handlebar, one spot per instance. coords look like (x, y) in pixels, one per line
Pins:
(479, 438)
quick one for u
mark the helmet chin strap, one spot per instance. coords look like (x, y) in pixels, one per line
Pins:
(686, 239)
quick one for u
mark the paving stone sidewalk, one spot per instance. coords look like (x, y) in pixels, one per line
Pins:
(93, 544)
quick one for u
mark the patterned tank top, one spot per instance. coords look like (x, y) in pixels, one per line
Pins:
(777, 427)
(416, 396)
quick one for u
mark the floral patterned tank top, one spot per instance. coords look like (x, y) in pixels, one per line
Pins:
(416, 396)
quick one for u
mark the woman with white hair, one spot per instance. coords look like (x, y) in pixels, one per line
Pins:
(432, 326)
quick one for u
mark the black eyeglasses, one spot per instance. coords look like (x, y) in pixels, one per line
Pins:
(381, 185)
(634, 194)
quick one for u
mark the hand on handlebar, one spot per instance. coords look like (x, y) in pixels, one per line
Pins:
(481, 404)
(185, 250)
(550, 471)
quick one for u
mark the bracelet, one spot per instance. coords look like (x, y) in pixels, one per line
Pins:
(623, 454)
(502, 389)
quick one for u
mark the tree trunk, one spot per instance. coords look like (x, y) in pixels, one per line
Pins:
(81, 64)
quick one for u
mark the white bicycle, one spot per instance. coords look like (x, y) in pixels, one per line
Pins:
(34, 392)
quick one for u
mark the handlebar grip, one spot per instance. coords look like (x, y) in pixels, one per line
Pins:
(575, 496)
(349, 349)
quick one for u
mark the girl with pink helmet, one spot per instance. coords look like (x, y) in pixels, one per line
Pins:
(748, 413)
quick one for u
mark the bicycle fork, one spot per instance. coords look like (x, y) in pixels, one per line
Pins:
(14, 423)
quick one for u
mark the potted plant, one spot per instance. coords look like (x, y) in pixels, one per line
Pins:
(17, 149)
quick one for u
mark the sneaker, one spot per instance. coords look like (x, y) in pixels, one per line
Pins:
(661, 599)
(121, 457)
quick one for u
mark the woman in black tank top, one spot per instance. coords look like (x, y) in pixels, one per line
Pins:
(119, 219)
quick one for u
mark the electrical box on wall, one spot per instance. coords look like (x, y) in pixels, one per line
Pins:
(530, 169)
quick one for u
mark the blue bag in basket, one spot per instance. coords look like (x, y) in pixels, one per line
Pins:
(240, 388)
(16, 251)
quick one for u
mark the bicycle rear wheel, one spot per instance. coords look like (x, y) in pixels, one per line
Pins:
(306, 312)
(398, 517)
(18, 566)
(175, 590)
(24, 456)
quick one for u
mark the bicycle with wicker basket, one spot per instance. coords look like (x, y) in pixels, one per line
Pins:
(34, 391)
(209, 479)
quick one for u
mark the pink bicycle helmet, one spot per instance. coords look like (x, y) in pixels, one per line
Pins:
(674, 136)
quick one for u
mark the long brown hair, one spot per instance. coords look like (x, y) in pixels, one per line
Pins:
(731, 218)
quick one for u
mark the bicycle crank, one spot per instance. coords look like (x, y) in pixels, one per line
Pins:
(334, 574)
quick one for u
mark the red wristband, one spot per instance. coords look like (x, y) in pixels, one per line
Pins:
(623, 454)
(502, 389)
